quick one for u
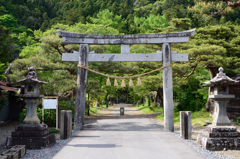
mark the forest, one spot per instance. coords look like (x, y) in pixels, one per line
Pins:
(29, 38)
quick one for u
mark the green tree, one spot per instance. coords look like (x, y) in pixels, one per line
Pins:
(107, 18)
(8, 20)
(151, 24)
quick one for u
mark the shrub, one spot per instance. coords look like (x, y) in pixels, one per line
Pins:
(238, 120)
(190, 98)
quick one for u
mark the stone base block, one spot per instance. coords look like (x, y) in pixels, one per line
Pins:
(30, 133)
(212, 128)
(31, 127)
(220, 134)
(34, 136)
(219, 138)
(35, 142)
(218, 143)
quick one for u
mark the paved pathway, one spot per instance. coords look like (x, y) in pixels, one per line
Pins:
(126, 138)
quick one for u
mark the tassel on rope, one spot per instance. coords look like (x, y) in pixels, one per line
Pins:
(115, 83)
(130, 82)
(108, 83)
(123, 83)
(139, 81)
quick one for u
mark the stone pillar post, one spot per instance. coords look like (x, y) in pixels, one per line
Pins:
(186, 124)
(81, 91)
(167, 88)
(66, 124)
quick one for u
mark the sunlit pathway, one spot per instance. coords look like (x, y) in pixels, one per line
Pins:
(125, 138)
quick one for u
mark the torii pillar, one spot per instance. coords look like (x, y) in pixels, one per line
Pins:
(167, 88)
(84, 56)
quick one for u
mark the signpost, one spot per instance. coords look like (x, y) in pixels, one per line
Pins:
(84, 56)
(50, 103)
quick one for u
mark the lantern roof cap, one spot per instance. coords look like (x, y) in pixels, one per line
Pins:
(220, 79)
(31, 77)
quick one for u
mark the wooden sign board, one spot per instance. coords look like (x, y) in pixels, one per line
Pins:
(51, 103)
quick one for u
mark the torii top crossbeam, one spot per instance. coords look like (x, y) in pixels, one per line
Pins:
(125, 41)
(95, 39)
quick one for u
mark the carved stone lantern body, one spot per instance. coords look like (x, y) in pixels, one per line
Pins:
(220, 135)
(219, 87)
(31, 133)
(31, 96)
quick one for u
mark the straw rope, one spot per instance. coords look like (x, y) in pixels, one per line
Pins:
(118, 77)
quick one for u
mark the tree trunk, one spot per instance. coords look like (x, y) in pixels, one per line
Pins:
(106, 99)
(149, 101)
(141, 100)
(160, 95)
(210, 101)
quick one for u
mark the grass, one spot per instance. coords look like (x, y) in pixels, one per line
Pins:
(148, 110)
(54, 131)
(199, 118)
(93, 109)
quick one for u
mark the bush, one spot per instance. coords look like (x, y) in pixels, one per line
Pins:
(238, 120)
(54, 131)
(153, 106)
(190, 98)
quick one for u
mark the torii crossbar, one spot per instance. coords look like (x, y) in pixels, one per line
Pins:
(84, 56)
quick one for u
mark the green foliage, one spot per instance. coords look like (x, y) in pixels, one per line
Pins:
(54, 131)
(238, 120)
(155, 108)
(25, 39)
(29, 50)
(150, 109)
(188, 97)
(107, 18)
(199, 118)
(151, 24)
(8, 20)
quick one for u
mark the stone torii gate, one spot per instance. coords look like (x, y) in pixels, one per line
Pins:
(84, 56)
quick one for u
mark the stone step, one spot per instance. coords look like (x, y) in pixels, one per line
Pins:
(31, 127)
(218, 143)
(208, 134)
(212, 128)
(35, 142)
(30, 133)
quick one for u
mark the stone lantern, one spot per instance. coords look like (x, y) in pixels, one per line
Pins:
(220, 135)
(31, 133)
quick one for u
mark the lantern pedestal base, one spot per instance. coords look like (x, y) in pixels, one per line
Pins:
(34, 136)
(219, 138)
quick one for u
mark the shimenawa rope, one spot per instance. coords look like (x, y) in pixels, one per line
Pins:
(108, 83)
